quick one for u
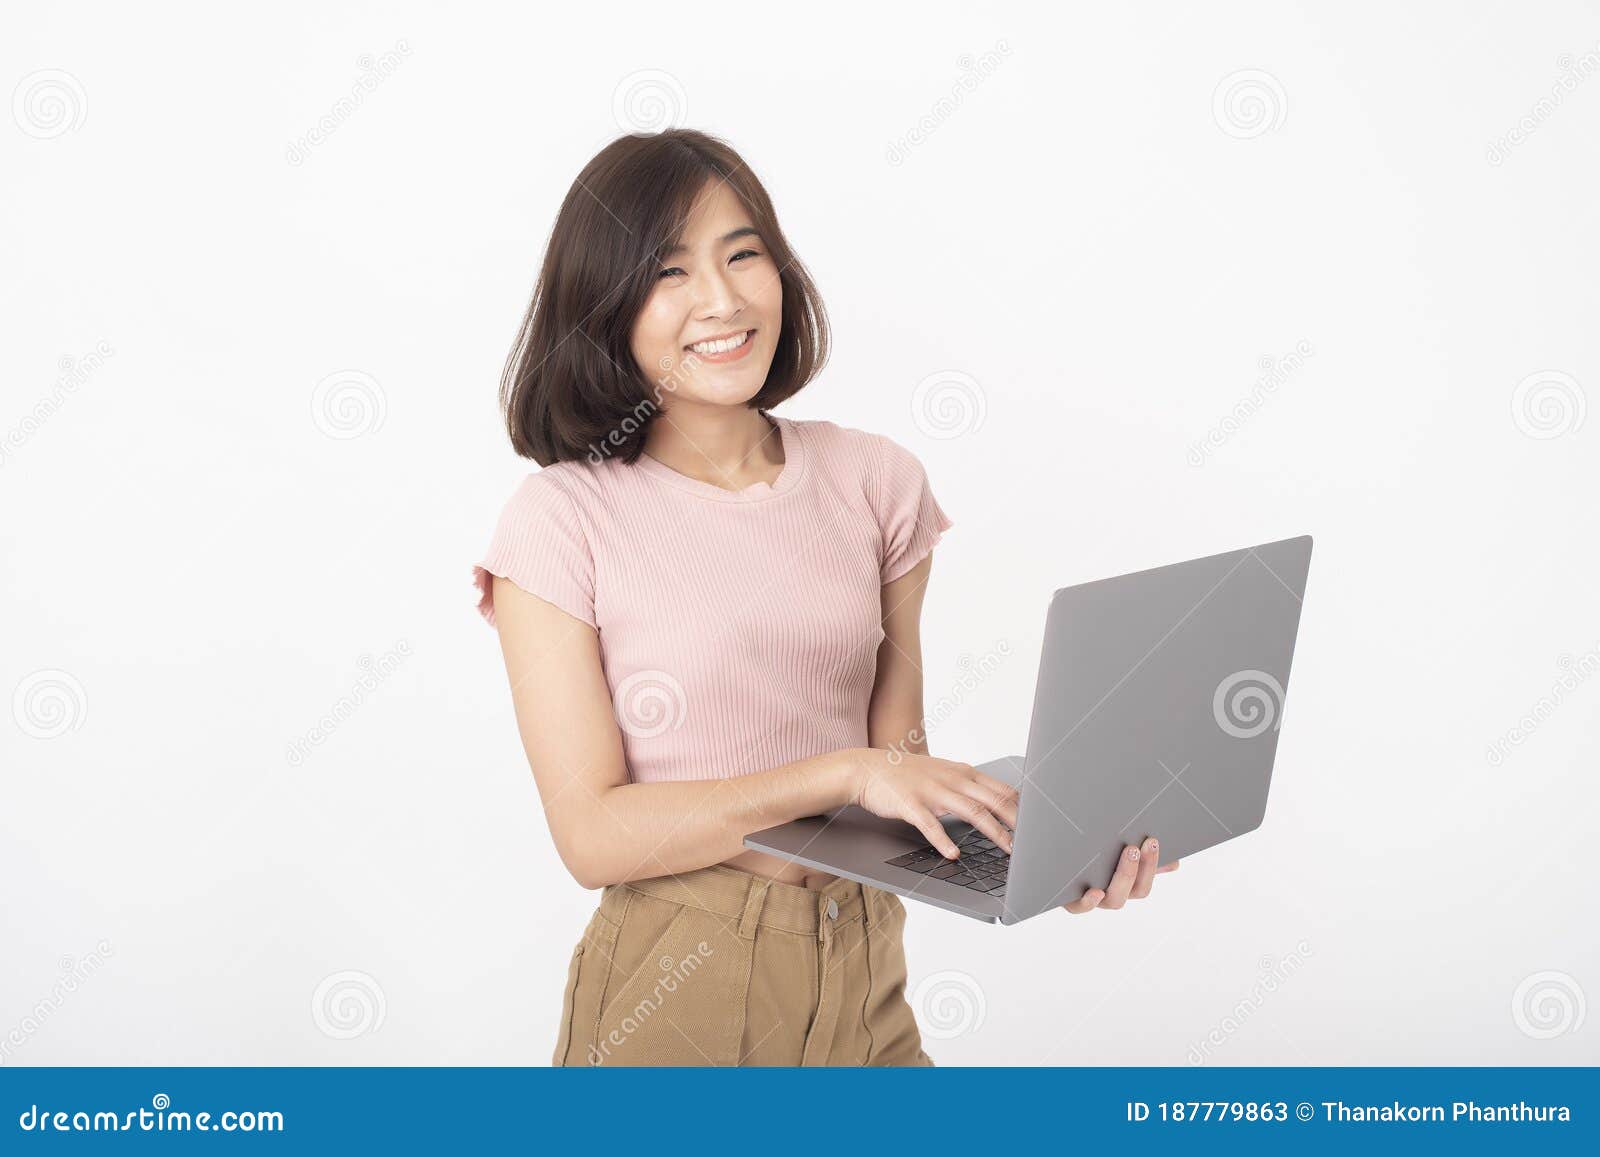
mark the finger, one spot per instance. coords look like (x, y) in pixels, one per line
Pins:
(1172, 867)
(981, 818)
(999, 798)
(932, 831)
(1086, 903)
(1148, 858)
(1122, 879)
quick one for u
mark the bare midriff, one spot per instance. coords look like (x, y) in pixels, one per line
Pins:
(785, 872)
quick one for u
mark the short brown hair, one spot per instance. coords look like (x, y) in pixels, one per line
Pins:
(571, 381)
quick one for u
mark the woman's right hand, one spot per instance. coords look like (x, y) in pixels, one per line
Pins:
(920, 788)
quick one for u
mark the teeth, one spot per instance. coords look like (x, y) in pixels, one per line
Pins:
(721, 347)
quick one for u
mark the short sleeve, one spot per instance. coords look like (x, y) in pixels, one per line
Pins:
(539, 544)
(910, 516)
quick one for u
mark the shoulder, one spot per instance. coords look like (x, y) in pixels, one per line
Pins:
(866, 455)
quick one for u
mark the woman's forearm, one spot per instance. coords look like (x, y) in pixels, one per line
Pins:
(635, 830)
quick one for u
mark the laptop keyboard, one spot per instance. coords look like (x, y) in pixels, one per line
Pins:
(981, 867)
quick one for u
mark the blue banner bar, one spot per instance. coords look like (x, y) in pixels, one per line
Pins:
(658, 1112)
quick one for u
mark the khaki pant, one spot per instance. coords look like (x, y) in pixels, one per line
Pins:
(723, 967)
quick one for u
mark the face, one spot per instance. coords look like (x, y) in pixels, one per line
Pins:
(721, 283)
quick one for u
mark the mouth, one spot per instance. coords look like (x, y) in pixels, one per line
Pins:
(727, 348)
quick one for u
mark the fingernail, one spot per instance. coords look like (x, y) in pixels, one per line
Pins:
(1133, 853)
(1150, 845)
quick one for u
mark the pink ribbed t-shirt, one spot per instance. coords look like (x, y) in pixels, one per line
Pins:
(739, 630)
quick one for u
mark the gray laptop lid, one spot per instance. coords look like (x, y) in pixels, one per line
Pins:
(1157, 710)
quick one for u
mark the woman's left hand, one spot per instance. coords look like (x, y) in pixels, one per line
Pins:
(1136, 871)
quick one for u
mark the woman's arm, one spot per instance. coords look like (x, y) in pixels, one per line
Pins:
(895, 719)
(608, 830)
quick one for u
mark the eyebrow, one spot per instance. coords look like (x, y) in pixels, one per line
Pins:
(742, 231)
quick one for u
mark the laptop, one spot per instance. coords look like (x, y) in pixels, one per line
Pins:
(1157, 711)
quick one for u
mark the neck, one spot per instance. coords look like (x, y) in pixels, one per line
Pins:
(729, 446)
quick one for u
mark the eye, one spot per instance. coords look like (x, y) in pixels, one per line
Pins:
(669, 272)
(744, 253)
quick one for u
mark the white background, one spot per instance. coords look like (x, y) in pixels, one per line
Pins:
(1103, 245)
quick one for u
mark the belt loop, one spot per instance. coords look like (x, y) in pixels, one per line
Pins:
(754, 898)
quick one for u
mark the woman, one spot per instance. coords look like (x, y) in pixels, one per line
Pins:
(709, 616)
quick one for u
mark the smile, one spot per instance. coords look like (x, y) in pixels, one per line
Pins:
(724, 349)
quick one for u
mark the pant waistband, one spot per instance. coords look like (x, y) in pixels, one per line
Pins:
(755, 900)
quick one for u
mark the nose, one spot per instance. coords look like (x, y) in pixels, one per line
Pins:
(716, 296)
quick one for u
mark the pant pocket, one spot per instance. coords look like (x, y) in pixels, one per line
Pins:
(677, 989)
(564, 1040)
